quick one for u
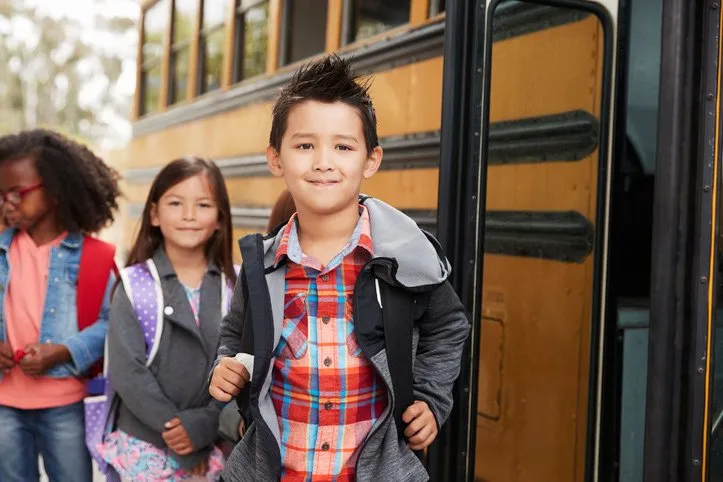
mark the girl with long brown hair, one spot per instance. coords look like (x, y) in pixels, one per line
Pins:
(282, 211)
(166, 423)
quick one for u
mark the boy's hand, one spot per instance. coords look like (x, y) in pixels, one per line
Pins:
(177, 438)
(6, 357)
(229, 378)
(421, 425)
(41, 357)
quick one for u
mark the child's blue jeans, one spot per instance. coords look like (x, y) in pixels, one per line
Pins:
(58, 434)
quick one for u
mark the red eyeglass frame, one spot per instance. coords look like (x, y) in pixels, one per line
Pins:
(20, 193)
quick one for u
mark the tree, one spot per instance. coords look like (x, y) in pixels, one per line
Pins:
(69, 68)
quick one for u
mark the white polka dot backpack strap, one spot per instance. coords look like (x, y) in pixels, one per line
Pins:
(143, 287)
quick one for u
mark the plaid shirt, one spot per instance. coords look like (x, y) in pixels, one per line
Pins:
(326, 393)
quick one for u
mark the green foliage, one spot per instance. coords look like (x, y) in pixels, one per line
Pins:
(63, 72)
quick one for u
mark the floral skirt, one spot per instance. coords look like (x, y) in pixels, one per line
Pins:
(140, 461)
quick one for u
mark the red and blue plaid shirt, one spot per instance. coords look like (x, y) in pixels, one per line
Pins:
(326, 393)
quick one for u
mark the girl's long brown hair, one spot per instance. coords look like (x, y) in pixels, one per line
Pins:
(218, 248)
(282, 211)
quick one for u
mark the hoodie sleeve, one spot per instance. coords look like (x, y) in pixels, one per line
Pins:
(443, 330)
(232, 325)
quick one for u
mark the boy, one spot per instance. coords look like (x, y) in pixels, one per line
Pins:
(346, 277)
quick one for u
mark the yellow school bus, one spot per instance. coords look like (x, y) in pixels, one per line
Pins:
(565, 152)
(208, 72)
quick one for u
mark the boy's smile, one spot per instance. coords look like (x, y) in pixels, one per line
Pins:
(323, 157)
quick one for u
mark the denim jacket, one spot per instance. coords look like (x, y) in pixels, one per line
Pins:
(60, 321)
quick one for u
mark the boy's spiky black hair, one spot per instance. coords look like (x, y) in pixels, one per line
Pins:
(85, 188)
(330, 79)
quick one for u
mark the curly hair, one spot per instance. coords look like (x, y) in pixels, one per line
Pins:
(84, 187)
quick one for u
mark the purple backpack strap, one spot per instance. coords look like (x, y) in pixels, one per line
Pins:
(143, 287)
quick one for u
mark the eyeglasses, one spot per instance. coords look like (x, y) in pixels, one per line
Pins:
(15, 197)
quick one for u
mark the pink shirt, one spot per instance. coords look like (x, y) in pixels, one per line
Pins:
(29, 265)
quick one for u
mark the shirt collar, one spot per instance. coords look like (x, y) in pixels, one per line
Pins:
(360, 239)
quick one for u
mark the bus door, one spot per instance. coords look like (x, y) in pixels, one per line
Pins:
(523, 212)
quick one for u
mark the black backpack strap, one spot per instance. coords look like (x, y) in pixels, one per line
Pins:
(247, 345)
(258, 307)
(398, 316)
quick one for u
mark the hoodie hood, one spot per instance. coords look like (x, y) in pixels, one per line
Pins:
(418, 256)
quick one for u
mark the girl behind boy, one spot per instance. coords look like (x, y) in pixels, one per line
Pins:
(282, 211)
(167, 422)
(52, 191)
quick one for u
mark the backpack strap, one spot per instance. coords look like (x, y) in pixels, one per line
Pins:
(398, 315)
(142, 284)
(96, 263)
(143, 287)
(257, 307)
(97, 260)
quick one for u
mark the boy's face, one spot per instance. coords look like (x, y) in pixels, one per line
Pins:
(323, 157)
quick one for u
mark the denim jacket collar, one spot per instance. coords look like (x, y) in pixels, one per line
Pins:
(71, 241)
(6, 237)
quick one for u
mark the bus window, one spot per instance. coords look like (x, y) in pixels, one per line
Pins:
(305, 29)
(155, 20)
(252, 38)
(643, 80)
(541, 223)
(212, 39)
(370, 17)
(184, 15)
(436, 7)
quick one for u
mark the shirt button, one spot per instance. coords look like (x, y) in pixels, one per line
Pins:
(60, 255)
(168, 310)
(325, 446)
(52, 310)
(325, 277)
(325, 319)
(57, 279)
(328, 405)
(327, 361)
